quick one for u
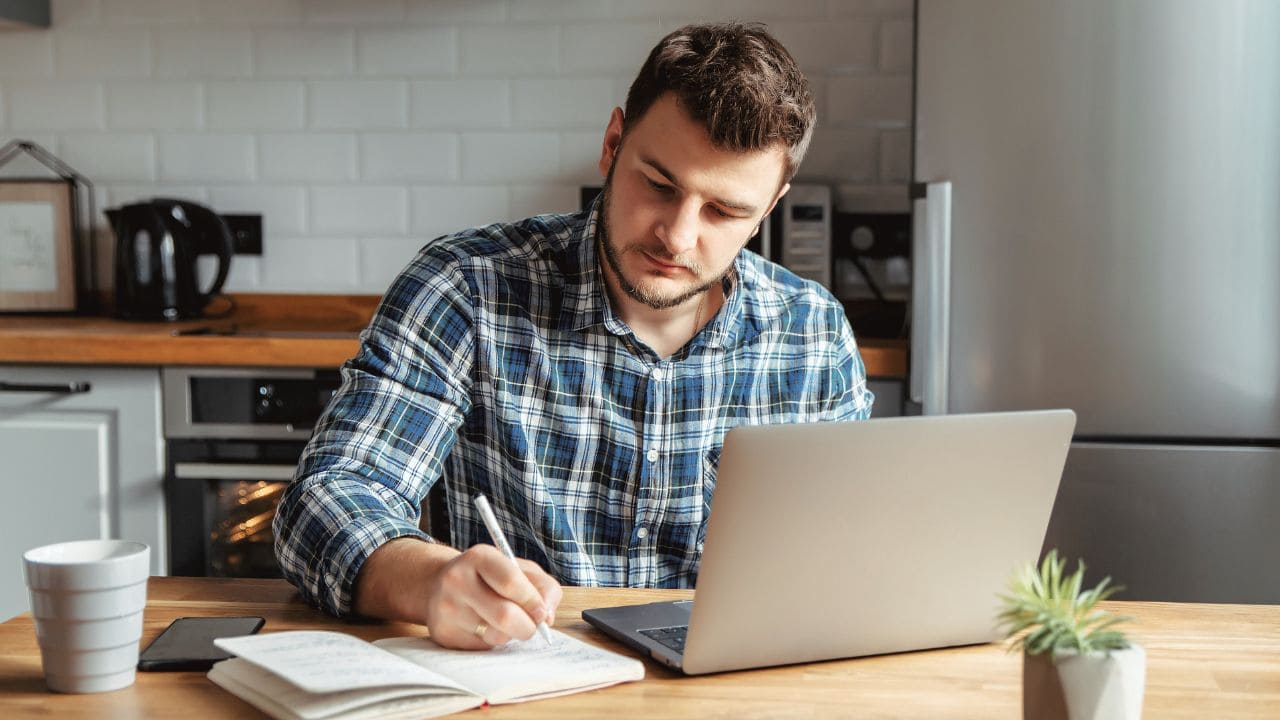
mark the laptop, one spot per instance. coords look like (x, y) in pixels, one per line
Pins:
(837, 540)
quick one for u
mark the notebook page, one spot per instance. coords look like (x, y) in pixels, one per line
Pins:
(522, 670)
(320, 661)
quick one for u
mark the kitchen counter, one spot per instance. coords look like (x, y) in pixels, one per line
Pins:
(263, 331)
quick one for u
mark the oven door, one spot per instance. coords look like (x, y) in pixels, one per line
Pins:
(220, 517)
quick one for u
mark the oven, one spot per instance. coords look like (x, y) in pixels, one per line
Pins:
(233, 436)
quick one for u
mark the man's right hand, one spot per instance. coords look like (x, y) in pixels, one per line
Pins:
(471, 600)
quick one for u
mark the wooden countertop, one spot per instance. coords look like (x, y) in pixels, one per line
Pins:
(1203, 661)
(270, 331)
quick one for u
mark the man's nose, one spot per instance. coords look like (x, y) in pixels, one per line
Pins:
(679, 229)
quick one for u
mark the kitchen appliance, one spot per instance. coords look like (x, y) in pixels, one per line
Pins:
(234, 436)
(1097, 227)
(157, 245)
(805, 241)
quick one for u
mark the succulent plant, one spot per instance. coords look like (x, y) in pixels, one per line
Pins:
(1047, 611)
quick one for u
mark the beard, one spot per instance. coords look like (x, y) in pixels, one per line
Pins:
(641, 292)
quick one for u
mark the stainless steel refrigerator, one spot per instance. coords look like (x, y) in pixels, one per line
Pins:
(1098, 227)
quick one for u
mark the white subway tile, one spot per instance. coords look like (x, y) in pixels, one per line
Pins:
(359, 209)
(283, 208)
(346, 12)
(424, 51)
(857, 8)
(514, 50)
(460, 104)
(108, 157)
(411, 157)
(829, 46)
(382, 259)
(753, 10)
(616, 47)
(358, 104)
(442, 209)
(580, 156)
(307, 158)
(255, 105)
(841, 156)
(54, 105)
(310, 264)
(529, 200)
(26, 54)
(152, 105)
(206, 158)
(68, 13)
(255, 12)
(127, 194)
(895, 156)
(896, 46)
(673, 13)
(869, 101)
(201, 53)
(446, 12)
(101, 52)
(149, 12)
(561, 102)
(547, 10)
(303, 53)
(509, 157)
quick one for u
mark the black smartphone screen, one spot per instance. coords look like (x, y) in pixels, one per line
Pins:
(187, 644)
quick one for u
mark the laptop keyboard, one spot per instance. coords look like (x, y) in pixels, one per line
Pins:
(672, 637)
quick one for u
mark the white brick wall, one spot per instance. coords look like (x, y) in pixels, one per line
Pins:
(362, 129)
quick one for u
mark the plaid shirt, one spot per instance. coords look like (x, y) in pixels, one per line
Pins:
(495, 364)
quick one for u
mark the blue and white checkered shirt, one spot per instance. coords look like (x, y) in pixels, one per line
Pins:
(495, 364)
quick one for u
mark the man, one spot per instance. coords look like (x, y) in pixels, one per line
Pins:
(580, 371)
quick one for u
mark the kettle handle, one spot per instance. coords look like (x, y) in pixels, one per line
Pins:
(201, 215)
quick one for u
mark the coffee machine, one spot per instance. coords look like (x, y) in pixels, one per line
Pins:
(157, 244)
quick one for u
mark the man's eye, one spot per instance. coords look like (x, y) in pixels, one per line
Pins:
(657, 186)
(720, 212)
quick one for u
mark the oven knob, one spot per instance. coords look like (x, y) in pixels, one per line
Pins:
(266, 390)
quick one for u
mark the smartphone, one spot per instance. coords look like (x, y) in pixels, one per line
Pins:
(187, 644)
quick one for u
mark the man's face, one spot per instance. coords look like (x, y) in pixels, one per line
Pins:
(677, 209)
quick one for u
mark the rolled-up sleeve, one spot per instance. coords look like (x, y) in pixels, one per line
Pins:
(382, 442)
(850, 398)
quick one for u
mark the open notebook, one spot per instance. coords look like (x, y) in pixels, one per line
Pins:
(318, 675)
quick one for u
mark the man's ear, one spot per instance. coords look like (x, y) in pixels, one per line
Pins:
(612, 141)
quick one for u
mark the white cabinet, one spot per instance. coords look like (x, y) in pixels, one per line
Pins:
(76, 465)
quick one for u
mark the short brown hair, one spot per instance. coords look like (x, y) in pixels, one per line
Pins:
(737, 81)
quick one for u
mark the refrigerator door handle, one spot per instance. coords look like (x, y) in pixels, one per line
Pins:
(931, 304)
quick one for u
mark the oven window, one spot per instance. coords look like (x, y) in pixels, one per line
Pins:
(240, 541)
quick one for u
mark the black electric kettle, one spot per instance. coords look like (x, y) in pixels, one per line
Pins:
(157, 243)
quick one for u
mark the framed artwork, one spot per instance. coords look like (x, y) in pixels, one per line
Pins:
(37, 246)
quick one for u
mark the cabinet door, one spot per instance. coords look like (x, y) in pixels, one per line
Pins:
(78, 465)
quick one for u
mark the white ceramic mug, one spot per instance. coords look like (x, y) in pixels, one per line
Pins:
(87, 599)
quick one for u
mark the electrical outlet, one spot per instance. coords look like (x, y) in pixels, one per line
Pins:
(246, 232)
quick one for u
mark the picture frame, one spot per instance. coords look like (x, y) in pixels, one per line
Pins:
(37, 245)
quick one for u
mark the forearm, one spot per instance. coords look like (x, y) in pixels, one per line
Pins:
(392, 583)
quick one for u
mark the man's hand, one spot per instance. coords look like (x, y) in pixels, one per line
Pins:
(471, 600)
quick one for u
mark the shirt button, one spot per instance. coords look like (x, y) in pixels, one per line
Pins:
(657, 374)
(652, 455)
(642, 533)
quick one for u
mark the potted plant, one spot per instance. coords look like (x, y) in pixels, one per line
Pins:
(1075, 663)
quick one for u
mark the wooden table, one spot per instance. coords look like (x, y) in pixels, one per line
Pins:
(1204, 661)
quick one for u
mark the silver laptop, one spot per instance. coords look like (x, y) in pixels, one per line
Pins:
(835, 540)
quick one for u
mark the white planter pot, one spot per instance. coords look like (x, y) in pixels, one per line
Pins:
(1094, 686)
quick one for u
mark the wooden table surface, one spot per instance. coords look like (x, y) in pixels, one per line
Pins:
(1204, 661)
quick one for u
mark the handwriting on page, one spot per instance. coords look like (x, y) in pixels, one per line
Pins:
(520, 668)
(320, 661)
